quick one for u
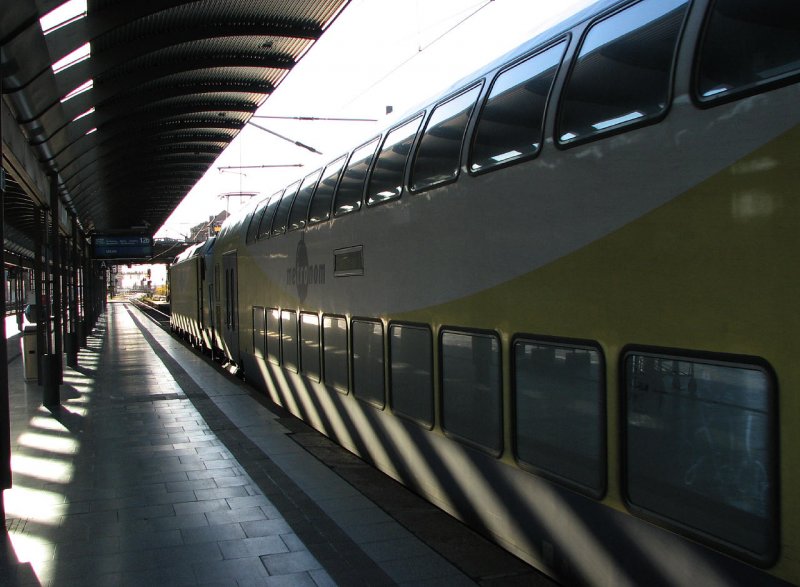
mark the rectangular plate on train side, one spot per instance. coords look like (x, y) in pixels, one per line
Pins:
(348, 261)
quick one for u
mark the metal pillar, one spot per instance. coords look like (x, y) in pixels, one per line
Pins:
(51, 362)
(5, 416)
(71, 343)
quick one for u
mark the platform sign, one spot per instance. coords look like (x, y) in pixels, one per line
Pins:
(123, 247)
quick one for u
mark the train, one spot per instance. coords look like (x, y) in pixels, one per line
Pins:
(559, 299)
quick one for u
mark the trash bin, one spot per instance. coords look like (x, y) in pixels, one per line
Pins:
(30, 353)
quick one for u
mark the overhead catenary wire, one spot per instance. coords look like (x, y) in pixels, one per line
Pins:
(420, 49)
(280, 136)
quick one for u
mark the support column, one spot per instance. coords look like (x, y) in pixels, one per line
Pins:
(5, 415)
(71, 343)
(55, 244)
(51, 363)
(38, 289)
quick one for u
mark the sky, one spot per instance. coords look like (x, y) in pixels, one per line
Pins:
(377, 53)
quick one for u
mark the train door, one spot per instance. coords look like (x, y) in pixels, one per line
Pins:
(231, 329)
(216, 307)
(200, 277)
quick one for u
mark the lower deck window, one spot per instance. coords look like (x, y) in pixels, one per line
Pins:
(334, 350)
(289, 340)
(259, 331)
(309, 345)
(274, 336)
(472, 388)
(411, 372)
(560, 412)
(368, 365)
(700, 448)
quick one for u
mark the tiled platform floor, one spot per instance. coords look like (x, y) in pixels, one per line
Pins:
(160, 470)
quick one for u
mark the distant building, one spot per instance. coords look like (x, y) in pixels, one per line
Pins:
(204, 230)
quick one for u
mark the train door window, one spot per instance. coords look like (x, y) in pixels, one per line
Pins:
(265, 224)
(259, 332)
(623, 71)
(334, 349)
(255, 220)
(748, 47)
(284, 207)
(472, 388)
(368, 364)
(559, 410)
(411, 372)
(320, 209)
(700, 448)
(511, 123)
(309, 346)
(351, 188)
(274, 336)
(299, 214)
(388, 175)
(289, 340)
(438, 156)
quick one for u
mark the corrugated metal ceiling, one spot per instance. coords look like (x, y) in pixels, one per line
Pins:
(171, 84)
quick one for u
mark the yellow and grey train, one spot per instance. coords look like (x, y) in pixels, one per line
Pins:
(559, 301)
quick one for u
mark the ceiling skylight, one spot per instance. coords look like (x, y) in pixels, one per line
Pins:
(80, 54)
(65, 14)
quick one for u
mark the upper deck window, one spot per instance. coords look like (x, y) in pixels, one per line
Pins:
(320, 209)
(748, 46)
(386, 181)
(623, 71)
(439, 154)
(255, 220)
(510, 125)
(351, 188)
(299, 214)
(282, 215)
(265, 224)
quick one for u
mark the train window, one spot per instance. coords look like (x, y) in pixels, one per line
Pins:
(289, 340)
(255, 221)
(274, 336)
(259, 332)
(265, 224)
(320, 209)
(284, 207)
(299, 214)
(472, 388)
(386, 181)
(700, 446)
(368, 377)
(351, 187)
(559, 412)
(438, 156)
(309, 346)
(334, 352)
(510, 125)
(747, 47)
(623, 71)
(411, 372)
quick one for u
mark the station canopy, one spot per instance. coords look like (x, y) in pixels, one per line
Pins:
(123, 105)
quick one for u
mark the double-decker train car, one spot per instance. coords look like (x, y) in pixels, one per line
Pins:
(191, 303)
(559, 300)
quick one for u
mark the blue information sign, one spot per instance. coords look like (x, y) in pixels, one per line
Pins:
(123, 247)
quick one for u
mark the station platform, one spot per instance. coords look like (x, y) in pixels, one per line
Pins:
(161, 469)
